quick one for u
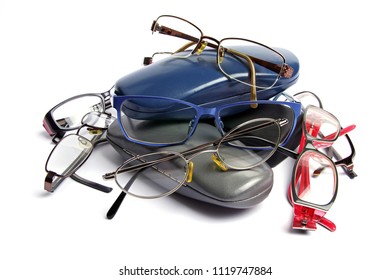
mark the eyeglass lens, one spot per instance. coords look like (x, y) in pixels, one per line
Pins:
(69, 114)
(237, 56)
(150, 122)
(321, 125)
(317, 190)
(308, 98)
(97, 120)
(69, 154)
(262, 135)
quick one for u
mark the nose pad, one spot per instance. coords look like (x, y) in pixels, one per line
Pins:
(189, 176)
(219, 163)
(219, 124)
(202, 47)
(94, 131)
(191, 125)
(83, 143)
(221, 55)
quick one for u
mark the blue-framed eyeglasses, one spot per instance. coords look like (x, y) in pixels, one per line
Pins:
(141, 117)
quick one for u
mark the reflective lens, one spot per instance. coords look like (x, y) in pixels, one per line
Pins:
(69, 114)
(232, 116)
(307, 98)
(236, 148)
(154, 120)
(97, 120)
(237, 58)
(156, 180)
(181, 33)
(321, 125)
(69, 154)
(318, 190)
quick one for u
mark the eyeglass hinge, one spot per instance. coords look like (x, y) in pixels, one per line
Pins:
(106, 97)
(287, 71)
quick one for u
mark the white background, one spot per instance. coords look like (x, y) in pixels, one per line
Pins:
(52, 50)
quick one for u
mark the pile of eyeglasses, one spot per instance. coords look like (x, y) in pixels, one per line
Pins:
(247, 141)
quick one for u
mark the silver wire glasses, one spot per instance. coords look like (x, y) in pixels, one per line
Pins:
(162, 173)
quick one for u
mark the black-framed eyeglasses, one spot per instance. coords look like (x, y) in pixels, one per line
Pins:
(67, 115)
(74, 149)
(243, 60)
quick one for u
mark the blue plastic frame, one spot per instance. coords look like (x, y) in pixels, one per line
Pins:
(201, 112)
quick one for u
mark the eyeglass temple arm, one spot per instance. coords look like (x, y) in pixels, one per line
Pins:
(327, 224)
(117, 203)
(285, 71)
(346, 163)
(252, 78)
(91, 184)
(52, 182)
(149, 59)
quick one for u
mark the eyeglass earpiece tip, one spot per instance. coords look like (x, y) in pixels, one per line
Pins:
(147, 60)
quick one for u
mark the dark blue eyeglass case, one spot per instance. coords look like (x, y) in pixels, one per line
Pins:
(197, 79)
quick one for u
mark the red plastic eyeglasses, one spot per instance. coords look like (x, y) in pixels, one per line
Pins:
(313, 196)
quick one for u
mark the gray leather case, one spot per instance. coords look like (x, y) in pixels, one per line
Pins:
(232, 189)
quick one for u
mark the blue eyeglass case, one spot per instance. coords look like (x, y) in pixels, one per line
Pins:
(198, 79)
(231, 189)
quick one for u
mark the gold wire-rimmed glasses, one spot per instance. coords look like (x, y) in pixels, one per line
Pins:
(243, 60)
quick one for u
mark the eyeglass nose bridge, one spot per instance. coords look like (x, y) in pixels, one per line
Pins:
(203, 43)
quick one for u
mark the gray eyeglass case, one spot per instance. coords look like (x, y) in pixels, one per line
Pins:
(231, 189)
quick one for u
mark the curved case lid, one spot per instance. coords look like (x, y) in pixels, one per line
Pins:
(197, 79)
